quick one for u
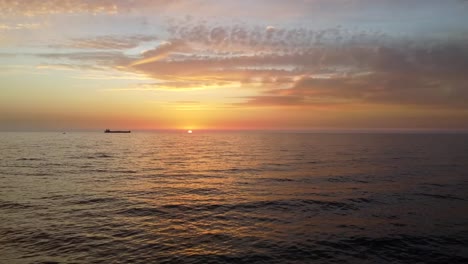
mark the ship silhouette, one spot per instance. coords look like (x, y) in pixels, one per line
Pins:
(117, 131)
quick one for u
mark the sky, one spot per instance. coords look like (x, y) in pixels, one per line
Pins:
(233, 65)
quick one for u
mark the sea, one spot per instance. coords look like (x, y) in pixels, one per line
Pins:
(233, 197)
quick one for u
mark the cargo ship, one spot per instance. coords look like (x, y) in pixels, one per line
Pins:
(117, 131)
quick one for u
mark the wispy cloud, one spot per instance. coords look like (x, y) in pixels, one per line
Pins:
(101, 58)
(96, 7)
(160, 52)
(301, 67)
(106, 42)
(42, 7)
(262, 8)
(19, 26)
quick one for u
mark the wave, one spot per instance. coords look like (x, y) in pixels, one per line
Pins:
(440, 196)
(95, 200)
(13, 205)
(273, 205)
(29, 159)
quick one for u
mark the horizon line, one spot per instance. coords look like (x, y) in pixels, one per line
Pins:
(312, 131)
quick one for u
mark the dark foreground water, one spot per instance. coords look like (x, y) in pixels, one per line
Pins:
(233, 198)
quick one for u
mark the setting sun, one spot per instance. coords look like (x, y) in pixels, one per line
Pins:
(189, 131)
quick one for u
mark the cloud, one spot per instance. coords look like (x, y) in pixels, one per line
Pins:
(265, 100)
(429, 74)
(238, 37)
(178, 86)
(52, 7)
(19, 26)
(101, 58)
(297, 66)
(69, 67)
(43, 7)
(215, 54)
(106, 42)
(374, 88)
(279, 10)
(160, 52)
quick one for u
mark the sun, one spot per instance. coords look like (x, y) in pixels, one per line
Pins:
(189, 131)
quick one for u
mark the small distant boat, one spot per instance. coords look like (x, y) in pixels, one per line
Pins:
(117, 131)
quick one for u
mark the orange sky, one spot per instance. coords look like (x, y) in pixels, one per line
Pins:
(300, 65)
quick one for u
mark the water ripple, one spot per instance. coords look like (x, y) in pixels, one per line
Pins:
(233, 198)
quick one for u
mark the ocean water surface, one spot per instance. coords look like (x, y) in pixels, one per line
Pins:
(233, 198)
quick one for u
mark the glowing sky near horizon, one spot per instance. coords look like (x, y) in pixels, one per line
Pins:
(264, 64)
